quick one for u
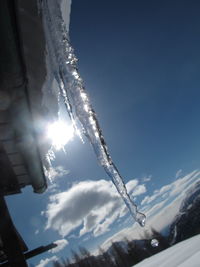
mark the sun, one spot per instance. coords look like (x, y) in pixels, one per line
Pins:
(60, 133)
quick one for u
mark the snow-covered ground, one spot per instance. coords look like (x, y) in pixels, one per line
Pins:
(184, 254)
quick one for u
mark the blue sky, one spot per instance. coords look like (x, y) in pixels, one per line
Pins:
(148, 87)
(140, 62)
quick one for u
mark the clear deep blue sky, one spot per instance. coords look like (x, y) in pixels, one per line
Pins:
(140, 61)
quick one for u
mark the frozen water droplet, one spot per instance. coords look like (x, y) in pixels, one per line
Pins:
(141, 219)
(154, 242)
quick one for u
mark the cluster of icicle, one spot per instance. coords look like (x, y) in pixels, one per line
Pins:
(64, 66)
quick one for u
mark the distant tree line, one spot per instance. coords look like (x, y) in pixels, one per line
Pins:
(121, 254)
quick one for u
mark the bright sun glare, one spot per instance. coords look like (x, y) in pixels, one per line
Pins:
(60, 133)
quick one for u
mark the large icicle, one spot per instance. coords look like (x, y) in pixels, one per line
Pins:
(64, 66)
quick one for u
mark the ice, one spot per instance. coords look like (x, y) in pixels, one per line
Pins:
(64, 66)
(154, 243)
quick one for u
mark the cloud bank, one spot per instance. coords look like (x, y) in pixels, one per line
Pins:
(46, 261)
(57, 172)
(91, 205)
(160, 208)
(61, 244)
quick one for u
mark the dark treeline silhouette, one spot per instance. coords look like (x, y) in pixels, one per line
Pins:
(120, 254)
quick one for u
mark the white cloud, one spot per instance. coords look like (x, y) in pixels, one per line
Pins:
(93, 204)
(140, 189)
(131, 185)
(178, 173)
(160, 208)
(148, 199)
(172, 189)
(60, 245)
(104, 227)
(134, 189)
(56, 172)
(146, 179)
(172, 194)
(46, 261)
(37, 232)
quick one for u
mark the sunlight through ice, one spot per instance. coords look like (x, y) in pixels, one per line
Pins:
(65, 70)
(60, 134)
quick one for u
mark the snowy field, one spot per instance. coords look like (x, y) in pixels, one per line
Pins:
(184, 254)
